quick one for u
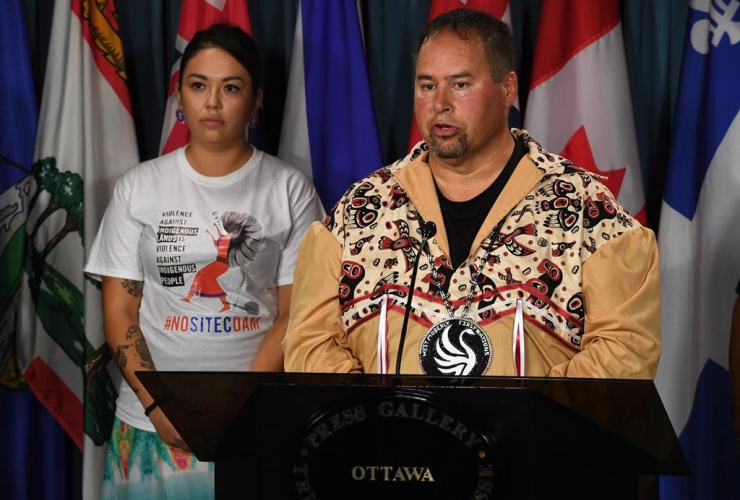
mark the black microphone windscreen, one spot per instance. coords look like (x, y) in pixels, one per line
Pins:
(429, 229)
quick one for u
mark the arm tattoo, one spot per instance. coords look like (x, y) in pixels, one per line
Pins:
(144, 355)
(120, 356)
(133, 288)
(134, 331)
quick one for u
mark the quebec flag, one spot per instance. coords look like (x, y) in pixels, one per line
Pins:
(699, 242)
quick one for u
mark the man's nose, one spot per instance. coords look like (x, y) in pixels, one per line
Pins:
(442, 100)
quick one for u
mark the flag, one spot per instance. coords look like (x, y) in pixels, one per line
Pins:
(34, 444)
(498, 9)
(85, 142)
(329, 130)
(18, 123)
(579, 101)
(196, 15)
(699, 246)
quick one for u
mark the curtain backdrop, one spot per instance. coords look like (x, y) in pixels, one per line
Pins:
(653, 35)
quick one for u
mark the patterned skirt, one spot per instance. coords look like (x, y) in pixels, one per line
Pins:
(140, 465)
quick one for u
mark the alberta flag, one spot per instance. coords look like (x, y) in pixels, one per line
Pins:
(700, 253)
(329, 130)
(196, 15)
(85, 142)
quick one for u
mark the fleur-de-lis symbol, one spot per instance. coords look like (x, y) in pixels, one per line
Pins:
(719, 24)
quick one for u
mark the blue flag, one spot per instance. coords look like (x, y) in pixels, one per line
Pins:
(700, 253)
(18, 125)
(33, 458)
(18, 98)
(329, 129)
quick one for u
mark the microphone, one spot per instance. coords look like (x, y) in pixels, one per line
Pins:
(428, 230)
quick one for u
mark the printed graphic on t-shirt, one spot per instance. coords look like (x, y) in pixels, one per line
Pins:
(236, 238)
(184, 323)
(174, 231)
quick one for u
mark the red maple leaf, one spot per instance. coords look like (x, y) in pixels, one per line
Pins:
(578, 150)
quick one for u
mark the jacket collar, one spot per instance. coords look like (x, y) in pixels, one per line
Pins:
(415, 176)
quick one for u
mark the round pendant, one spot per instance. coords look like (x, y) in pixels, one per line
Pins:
(455, 346)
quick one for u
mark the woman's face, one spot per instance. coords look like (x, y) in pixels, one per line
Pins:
(217, 98)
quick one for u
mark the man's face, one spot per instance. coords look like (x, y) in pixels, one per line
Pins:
(460, 109)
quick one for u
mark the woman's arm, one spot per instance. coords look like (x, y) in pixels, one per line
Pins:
(269, 357)
(121, 301)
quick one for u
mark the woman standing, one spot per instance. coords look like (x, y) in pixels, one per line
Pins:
(155, 251)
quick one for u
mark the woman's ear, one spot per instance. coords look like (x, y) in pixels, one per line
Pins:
(258, 101)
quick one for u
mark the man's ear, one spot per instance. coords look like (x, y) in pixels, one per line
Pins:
(511, 84)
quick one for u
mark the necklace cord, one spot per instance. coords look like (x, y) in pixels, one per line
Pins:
(474, 277)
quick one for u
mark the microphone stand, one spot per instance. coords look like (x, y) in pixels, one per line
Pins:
(428, 230)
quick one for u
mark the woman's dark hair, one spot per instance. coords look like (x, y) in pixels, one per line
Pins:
(231, 39)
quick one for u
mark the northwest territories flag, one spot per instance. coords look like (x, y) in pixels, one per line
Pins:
(196, 15)
(579, 98)
(700, 253)
(329, 130)
(498, 9)
(85, 142)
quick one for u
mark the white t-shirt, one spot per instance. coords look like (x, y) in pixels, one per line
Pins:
(220, 242)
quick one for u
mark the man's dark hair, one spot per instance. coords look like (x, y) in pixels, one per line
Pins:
(495, 35)
(231, 39)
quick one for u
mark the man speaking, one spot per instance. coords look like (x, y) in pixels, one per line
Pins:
(480, 253)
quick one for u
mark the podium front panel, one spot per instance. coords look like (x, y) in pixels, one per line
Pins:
(319, 436)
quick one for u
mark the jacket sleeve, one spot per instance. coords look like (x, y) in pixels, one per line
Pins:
(621, 291)
(315, 340)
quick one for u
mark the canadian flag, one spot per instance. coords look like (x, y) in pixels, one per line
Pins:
(196, 15)
(498, 9)
(579, 99)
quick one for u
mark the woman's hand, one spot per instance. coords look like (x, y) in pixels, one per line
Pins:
(166, 430)
(269, 357)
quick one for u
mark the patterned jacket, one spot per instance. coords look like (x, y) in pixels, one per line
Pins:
(584, 272)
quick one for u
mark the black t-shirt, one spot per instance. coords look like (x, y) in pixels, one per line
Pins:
(463, 219)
